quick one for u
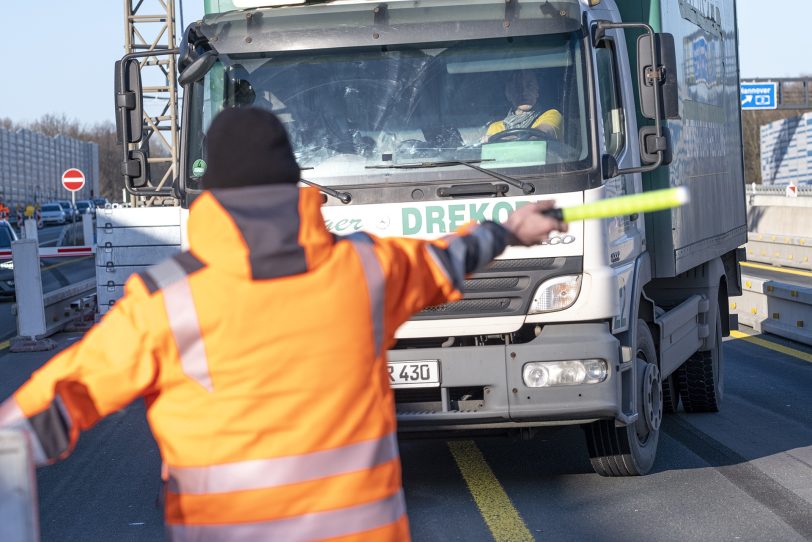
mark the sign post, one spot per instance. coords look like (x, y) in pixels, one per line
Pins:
(73, 180)
(759, 95)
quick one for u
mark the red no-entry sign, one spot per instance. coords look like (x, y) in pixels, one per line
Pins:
(73, 180)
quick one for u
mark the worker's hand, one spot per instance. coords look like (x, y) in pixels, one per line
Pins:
(529, 227)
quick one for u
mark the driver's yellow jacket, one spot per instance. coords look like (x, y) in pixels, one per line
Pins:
(261, 356)
(551, 118)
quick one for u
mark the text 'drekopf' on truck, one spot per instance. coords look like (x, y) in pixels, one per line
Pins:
(416, 117)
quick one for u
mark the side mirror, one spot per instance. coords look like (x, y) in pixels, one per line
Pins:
(658, 76)
(198, 68)
(129, 102)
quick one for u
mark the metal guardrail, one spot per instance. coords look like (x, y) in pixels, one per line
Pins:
(778, 190)
(41, 315)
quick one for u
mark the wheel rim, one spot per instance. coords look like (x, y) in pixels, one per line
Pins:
(649, 401)
(652, 397)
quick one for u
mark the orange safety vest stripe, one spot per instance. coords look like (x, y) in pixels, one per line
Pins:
(315, 526)
(285, 501)
(279, 471)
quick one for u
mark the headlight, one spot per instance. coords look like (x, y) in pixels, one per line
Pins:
(9, 283)
(556, 294)
(546, 374)
(7, 265)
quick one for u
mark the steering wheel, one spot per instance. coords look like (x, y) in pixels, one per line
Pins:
(520, 134)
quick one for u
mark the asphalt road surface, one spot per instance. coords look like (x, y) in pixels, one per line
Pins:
(742, 474)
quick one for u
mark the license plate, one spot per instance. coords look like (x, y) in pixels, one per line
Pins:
(414, 374)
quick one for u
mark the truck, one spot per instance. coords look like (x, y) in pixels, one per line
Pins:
(388, 106)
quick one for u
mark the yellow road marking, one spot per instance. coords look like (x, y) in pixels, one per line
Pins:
(503, 520)
(4, 345)
(773, 346)
(776, 269)
(60, 264)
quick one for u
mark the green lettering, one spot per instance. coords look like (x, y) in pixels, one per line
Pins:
(499, 208)
(341, 224)
(356, 224)
(412, 221)
(456, 216)
(435, 216)
(477, 214)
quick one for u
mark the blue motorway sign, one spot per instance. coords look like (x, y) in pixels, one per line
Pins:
(759, 95)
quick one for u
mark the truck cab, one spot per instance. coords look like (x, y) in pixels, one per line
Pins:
(415, 118)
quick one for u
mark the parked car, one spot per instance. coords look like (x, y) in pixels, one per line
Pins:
(86, 206)
(54, 213)
(100, 202)
(70, 211)
(7, 235)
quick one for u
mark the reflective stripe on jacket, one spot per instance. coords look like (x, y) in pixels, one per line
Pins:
(261, 355)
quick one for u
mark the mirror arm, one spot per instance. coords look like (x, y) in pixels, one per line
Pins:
(598, 34)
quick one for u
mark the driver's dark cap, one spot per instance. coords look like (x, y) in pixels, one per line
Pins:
(248, 146)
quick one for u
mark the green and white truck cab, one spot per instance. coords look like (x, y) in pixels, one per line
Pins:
(388, 105)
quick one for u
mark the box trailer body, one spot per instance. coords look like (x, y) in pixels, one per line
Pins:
(389, 107)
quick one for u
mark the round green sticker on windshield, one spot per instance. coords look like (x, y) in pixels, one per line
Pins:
(198, 168)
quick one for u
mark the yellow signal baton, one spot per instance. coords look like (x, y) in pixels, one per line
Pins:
(646, 202)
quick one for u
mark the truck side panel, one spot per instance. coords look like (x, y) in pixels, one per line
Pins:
(706, 139)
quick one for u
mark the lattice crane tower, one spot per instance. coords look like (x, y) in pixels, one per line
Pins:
(150, 26)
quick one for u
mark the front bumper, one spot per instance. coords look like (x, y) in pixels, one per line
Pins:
(483, 387)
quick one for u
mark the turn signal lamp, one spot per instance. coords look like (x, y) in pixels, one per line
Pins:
(556, 294)
(547, 374)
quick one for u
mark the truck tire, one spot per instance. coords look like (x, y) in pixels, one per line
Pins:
(701, 377)
(631, 450)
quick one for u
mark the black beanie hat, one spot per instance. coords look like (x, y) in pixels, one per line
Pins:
(247, 147)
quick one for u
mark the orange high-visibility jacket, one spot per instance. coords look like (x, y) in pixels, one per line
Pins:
(261, 354)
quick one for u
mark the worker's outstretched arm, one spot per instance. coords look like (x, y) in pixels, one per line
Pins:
(109, 368)
(424, 273)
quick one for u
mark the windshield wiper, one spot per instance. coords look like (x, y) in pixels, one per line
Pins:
(343, 197)
(421, 165)
(527, 188)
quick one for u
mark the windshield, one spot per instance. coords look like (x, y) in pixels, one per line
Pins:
(51, 208)
(517, 105)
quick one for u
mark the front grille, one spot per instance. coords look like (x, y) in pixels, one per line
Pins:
(524, 263)
(490, 285)
(503, 288)
(467, 306)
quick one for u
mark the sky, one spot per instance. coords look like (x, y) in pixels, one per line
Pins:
(60, 55)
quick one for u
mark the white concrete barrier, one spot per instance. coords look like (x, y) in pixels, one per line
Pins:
(28, 286)
(31, 231)
(19, 518)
